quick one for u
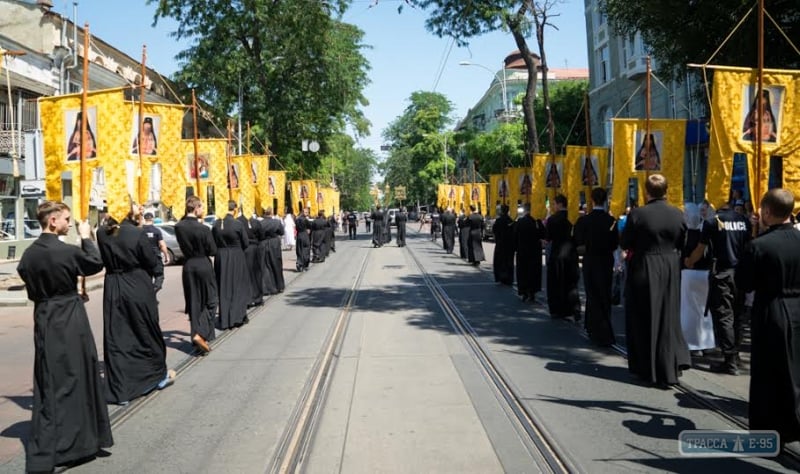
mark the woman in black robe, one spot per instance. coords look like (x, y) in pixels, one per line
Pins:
(272, 232)
(230, 269)
(475, 253)
(251, 227)
(303, 241)
(199, 283)
(504, 247)
(69, 414)
(529, 235)
(562, 265)
(135, 355)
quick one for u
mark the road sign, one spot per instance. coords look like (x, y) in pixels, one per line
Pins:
(400, 192)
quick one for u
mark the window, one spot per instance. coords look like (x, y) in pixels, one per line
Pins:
(607, 126)
(603, 69)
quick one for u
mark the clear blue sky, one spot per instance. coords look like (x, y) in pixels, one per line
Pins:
(404, 57)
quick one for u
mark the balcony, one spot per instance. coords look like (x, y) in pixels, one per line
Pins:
(5, 144)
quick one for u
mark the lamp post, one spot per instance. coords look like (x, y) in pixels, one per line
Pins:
(499, 80)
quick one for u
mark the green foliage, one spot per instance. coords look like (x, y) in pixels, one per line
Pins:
(680, 32)
(498, 149)
(566, 102)
(353, 169)
(301, 69)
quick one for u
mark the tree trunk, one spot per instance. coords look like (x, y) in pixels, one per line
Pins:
(531, 136)
(540, 21)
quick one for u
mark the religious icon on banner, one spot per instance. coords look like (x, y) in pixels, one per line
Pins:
(320, 198)
(271, 186)
(253, 172)
(648, 155)
(502, 189)
(451, 195)
(200, 165)
(553, 175)
(150, 129)
(73, 134)
(589, 171)
(525, 185)
(770, 118)
(233, 176)
(476, 194)
(304, 191)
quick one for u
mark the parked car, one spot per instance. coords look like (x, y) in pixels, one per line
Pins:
(31, 227)
(173, 249)
(209, 220)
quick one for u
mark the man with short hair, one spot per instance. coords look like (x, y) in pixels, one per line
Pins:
(303, 249)
(562, 265)
(655, 234)
(69, 414)
(770, 265)
(159, 247)
(448, 230)
(231, 269)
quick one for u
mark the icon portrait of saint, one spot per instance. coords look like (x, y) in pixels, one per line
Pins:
(451, 194)
(502, 189)
(74, 137)
(648, 157)
(769, 115)
(476, 194)
(553, 176)
(589, 172)
(199, 165)
(148, 136)
(271, 186)
(525, 185)
(303, 191)
(253, 172)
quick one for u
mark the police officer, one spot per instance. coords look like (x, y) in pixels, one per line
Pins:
(726, 238)
(352, 224)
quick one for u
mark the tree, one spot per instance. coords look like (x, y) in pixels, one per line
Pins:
(352, 169)
(416, 157)
(300, 70)
(680, 32)
(566, 105)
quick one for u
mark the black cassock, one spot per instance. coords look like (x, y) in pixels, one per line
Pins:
(655, 235)
(387, 228)
(401, 218)
(330, 236)
(448, 231)
(377, 228)
(319, 231)
(199, 283)
(475, 241)
(303, 243)
(271, 234)
(771, 267)
(463, 236)
(70, 417)
(251, 256)
(597, 233)
(230, 268)
(504, 247)
(135, 355)
(562, 269)
(529, 235)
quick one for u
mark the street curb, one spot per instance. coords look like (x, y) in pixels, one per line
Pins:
(20, 297)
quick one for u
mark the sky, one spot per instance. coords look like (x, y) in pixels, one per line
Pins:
(404, 56)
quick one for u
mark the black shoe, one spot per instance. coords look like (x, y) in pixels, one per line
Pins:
(726, 367)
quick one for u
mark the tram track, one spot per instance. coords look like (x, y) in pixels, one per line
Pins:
(543, 447)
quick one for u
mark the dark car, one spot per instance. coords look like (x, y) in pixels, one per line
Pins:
(173, 249)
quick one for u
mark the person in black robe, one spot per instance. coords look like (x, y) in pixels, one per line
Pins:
(475, 253)
(159, 247)
(597, 238)
(770, 266)
(135, 355)
(303, 241)
(387, 227)
(199, 283)
(231, 270)
(69, 420)
(463, 235)
(330, 237)
(562, 265)
(319, 231)
(436, 224)
(448, 230)
(254, 264)
(377, 227)
(352, 225)
(401, 218)
(272, 233)
(530, 233)
(654, 234)
(504, 248)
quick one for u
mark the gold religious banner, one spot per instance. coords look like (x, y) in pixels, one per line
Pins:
(305, 195)
(539, 196)
(498, 187)
(276, 192)
(585, 171)
(520, 184)
(245, 193)
(448, 196)
(460, 202)
(212, 166)
(476, 194)
(733, 129)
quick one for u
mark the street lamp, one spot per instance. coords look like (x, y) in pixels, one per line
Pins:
(501, 81)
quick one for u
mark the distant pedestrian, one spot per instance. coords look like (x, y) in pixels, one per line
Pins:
(698, 329)
(270, 234)
(436, 224)
(69, 419)
(401, 218)
(352, 225)
(448, 230)
(319, 235)
(463, 234)
(771, 267)
(377, 231)
(289, 231)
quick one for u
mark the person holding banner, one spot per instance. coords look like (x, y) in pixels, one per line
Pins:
(69, 415)
(654, 236)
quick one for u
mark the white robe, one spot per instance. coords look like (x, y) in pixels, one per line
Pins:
(698, 330)
(288, 231)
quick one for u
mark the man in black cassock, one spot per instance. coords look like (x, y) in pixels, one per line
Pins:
(562, 265)
(319, 232)
(135, 355)
(230, 269)
(254, 263)
(303, 241)
(504, 248)
(475, 253)
(463, 235)
(352, 225)
(597, 238)
(436, 224)
(271, 233)
(387, 227)
(530, 233)
(655, 235)
(401, 218)
(771, 267)
(448, 230)
(330, 237)
(199, 283)
(377, 227)
(69, 415)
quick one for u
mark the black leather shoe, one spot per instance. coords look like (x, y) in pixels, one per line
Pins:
(724, 368)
